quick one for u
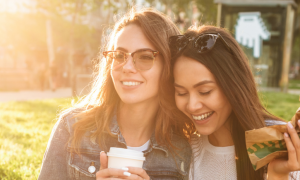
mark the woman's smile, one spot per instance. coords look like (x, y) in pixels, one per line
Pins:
(202, 117)
(199, 96)
(133, 85)
(130, 83)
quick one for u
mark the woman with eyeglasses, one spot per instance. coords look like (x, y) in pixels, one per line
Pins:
(215, 88)
(130, 106)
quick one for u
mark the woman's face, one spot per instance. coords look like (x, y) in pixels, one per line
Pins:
(198, 96)
(132, 85)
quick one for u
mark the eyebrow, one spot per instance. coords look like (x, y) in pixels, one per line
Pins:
(196, 85)
(125, 50)
(121, 49)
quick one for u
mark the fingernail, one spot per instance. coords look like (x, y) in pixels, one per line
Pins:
(101, 152)
(286, 135)
(127, 174)
(125, 168)
(290, 125)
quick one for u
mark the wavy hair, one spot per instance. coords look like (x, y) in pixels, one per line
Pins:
(100, 104)
(233, 75)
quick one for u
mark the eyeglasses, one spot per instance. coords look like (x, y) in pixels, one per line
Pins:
(143, 59)
(202, 43)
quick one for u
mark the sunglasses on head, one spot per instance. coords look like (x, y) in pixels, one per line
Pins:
(202, 43)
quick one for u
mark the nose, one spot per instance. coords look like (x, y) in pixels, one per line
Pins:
(129, 67)
(194, 104)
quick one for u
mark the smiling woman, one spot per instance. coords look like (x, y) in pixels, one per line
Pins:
(134, 85)
(200, 97)
(215, 88)
(130, 106)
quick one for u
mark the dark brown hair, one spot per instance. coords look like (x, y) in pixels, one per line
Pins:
(100, 104)
(234, 77)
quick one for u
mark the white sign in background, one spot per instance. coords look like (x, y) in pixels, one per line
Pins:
(250, 31)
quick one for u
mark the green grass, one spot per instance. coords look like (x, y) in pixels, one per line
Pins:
(279, 104)
(25, 128)
(294, 84)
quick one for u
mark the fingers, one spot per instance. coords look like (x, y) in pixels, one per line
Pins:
(111, 172)
(134, 177)
(138, 173)
(103, 160)
(293, 147)
(131, 173)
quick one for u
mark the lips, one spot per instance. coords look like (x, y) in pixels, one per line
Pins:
(202, 116)
(130, 83)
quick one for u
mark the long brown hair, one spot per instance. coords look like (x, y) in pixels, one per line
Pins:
(100, 104)
(234, 77)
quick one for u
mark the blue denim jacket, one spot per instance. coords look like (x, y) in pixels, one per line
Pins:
(60, 163)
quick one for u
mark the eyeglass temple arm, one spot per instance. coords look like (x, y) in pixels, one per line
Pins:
(228, 47)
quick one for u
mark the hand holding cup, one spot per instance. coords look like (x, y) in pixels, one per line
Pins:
(117, 164)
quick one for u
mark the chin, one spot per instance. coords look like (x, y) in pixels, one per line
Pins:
(130, 100)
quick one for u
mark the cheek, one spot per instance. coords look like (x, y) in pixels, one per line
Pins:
(180, 103)
(114, 75)
(223, 105)
(154, 76)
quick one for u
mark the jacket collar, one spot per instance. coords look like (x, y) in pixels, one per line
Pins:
(115, 130)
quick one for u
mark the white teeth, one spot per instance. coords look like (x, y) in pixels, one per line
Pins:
(202, 117)
(130, 83)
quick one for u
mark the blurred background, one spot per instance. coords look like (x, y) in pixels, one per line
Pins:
(48, 45)
(48, 49)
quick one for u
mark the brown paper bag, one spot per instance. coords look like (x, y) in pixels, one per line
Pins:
(267, 143)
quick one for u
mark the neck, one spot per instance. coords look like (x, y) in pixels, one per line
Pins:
(222, 137)
(137, 122)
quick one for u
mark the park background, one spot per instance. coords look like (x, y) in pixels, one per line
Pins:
(48, 49)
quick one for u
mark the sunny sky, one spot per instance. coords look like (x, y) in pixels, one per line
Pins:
(13, 5)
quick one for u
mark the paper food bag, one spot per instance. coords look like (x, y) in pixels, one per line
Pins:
(268, 143)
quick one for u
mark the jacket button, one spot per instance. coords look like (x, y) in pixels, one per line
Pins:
(92, 168)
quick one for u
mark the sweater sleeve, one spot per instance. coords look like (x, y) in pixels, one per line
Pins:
(295, 175)
(54, 165)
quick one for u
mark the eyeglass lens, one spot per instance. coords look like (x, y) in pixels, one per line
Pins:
(143, 60)
(205, 42)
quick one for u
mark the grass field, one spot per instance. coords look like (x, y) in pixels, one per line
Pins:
(26, 126)
(294, 84)
(24, 131)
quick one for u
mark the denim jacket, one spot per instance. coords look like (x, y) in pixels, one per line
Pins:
(60, 163)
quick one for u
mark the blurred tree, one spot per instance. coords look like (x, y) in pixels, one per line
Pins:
(208, 10)
(77, 25)
(74, 16)
(185, 13)
(296, 43)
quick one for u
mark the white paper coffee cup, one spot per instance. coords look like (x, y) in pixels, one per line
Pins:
(120, 157)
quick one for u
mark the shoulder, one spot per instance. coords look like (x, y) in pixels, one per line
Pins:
(181, 153)
(69, 117)
(182, 148)
(180, 142)
(270, 122)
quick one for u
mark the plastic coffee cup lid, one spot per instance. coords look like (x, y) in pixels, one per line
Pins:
(126, 153)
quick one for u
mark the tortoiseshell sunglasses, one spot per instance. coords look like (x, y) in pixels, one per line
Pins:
(202, 43)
